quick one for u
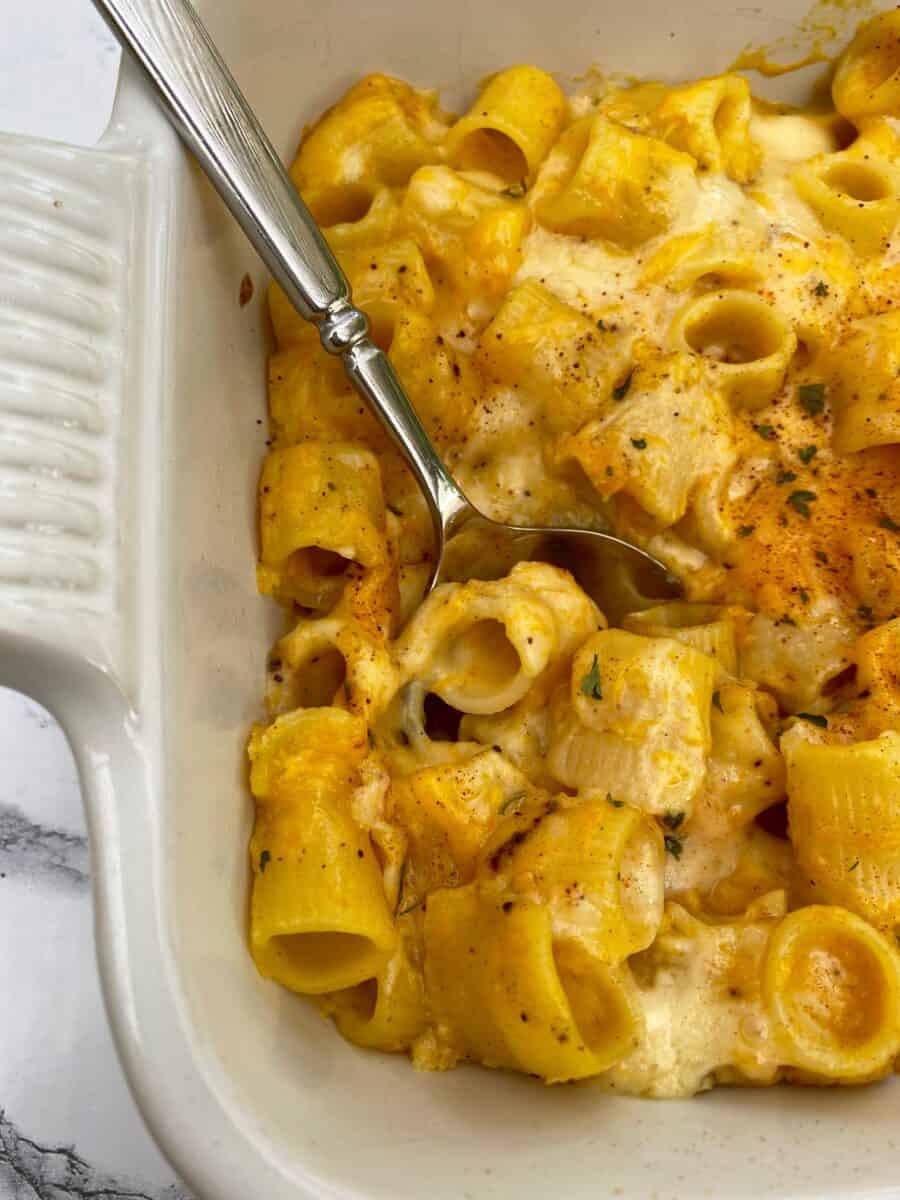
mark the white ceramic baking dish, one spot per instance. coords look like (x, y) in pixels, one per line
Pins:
(132, 396)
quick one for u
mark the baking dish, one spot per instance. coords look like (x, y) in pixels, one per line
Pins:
(132, 392)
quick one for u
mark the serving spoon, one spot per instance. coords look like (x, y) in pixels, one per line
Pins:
(208, 110)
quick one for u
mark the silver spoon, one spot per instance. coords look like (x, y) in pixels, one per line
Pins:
(207, 108)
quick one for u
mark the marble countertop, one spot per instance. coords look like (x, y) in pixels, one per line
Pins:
(68, 1125)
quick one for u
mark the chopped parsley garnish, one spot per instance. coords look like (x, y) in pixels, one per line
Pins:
(601, 325)
(264, 859)
(804, 596)
(745, 530)
(821, 557)
(613, 802)
(812, 397)
(800, 501)
(821, 288)
(610, 472)
(639, 443)
(766, 432)
(590, 684)
(717, 700)
(807, 453)
(814, 719)
(674, 845)
(853, 866)
(889, 524)
(620, 392)
(673, 820)
(785, 477)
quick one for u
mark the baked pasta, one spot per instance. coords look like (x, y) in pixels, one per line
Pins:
(597, 835)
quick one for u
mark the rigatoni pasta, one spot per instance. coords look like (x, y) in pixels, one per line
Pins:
(541, 821)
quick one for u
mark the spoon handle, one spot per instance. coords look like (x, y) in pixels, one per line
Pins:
(209, 111)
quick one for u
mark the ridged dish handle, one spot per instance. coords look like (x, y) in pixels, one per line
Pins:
(212, 116)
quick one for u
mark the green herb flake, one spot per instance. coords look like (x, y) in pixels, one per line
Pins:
(512, 801)
(800, 502)
(590, 684)
(804, 596)
(822, 557)
(673, 820)
(853, 866)
(807, 453)
(615, 803)
(639, 443)
(610, 471)
(821, 288)
(890, 525)
(674, 845)
(717, 701)
(744, 531)
(785, 477)
(812, 398)
(620, 392)
(264, 859)
(601, 325)
(814, 719)
(766, 432)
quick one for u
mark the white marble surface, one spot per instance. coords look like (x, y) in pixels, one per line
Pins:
(68, 1126)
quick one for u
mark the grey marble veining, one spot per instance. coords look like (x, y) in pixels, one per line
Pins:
(40, 853)
(68, 1128)
(31, 1171)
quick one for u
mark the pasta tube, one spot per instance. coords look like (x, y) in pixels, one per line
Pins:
(845, 822)
(831, 983)
(866, 81)
(597, 864)
(506, 994)
(318, 916)
(375, 136)
(855, 193)
(744, 342)
(510, 128)
(386, 1012)
(633, 721)
(709, 628)
(603, 181)
(479, 645)
(555, 354)
(321, 512)
(473, 234)
(710, 120)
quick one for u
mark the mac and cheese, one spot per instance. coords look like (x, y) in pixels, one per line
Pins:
(514, 823)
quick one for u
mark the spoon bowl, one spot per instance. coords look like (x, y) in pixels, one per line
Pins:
(617, 575)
